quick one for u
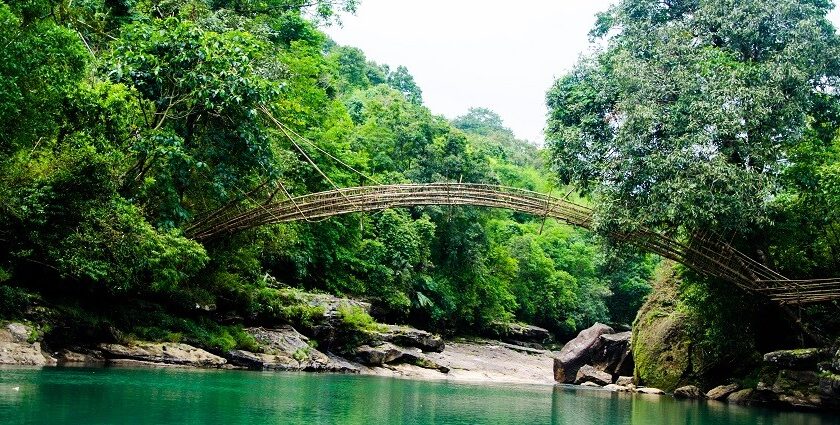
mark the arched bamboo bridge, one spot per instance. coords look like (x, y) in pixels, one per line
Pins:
(708, 256)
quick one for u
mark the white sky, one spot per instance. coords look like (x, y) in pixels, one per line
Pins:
(503, 55)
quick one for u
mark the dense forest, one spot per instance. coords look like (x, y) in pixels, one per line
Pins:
(124, 121)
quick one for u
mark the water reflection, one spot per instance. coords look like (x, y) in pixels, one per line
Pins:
(94, 396)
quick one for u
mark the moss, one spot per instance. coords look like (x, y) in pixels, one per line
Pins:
(662, 349)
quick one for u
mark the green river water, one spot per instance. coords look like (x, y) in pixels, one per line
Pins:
(174, 396)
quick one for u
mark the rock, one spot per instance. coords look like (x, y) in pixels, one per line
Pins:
(663, 349)
(589, 384)
(614, 355)
(15, 348)
(624, 380)
(264, 361)
(379, 355)
(648, 390)
(521, 334)
(578, 352)
(166, 352)
(589, 373)
(89, 357)
(341, 365)
(416, 357)
(19, 332)
(721, 392)
(616, 388)
(800, 388)
(523, 349)
(406, 336)
(689, 391)
(802, 359)
(284, 348)
(744, 396)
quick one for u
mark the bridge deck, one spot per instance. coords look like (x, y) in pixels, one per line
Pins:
(708, 256)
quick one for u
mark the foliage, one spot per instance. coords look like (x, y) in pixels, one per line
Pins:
(123, 123)
(355, 317)
(692, 110)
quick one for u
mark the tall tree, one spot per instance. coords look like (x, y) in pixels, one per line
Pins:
(692, 110)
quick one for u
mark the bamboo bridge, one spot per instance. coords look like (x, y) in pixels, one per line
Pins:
(710, 256)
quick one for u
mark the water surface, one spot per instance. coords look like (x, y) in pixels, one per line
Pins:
(174, 396)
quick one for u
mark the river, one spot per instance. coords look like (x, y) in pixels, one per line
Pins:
(186, 396)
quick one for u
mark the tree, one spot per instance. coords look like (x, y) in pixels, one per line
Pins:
(689, 115)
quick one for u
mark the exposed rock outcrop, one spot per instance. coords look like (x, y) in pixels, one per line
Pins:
(579, 352)
(406, 336)
(166, 352)
(16, 348)
(284, 348)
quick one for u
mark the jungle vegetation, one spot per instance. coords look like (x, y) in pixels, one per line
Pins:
(123, 121)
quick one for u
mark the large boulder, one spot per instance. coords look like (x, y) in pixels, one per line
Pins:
(802, 359)
(162, 352)
(721, 392)
(663, 352)
(578, 352)
(16, 348)
(614, 354)
(588, 373)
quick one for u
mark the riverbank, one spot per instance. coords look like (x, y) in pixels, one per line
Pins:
(479, 360)
(461, 360)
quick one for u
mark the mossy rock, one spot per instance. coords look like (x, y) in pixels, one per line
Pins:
(662, 347)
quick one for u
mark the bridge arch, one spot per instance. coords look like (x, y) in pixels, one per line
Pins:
(708, 256)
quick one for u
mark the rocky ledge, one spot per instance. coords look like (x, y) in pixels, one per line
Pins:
(18, 346)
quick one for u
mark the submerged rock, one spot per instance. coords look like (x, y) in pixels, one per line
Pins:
(689, 391)
(166, 352)
(721, 392)
(15, 348)
(649, 390)
(590, 384)
(578, 352)
(589, 373)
